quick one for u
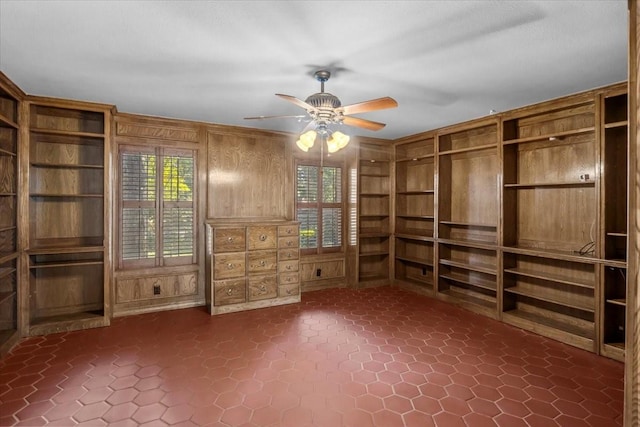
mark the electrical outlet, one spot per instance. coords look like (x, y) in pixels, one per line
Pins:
(156, 289)
(319, 272)
(424, 271)
(584, 177)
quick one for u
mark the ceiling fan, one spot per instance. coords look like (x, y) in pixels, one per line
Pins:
(325, 109)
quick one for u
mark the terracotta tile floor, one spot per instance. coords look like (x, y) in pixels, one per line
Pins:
(375, 357)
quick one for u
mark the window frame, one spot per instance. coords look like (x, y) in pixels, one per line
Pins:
(320, 205)
(159, 205)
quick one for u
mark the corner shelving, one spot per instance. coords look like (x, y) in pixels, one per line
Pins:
(614, 234)
(414, 212)
(374, 204)
(68, 149)
(9, 251)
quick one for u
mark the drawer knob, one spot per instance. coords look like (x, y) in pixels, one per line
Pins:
(289, 243)
(289, 267)
(263, 237)
(263, 263)
(229, 291)
(289, 291)
(289, 231)
(263, 288)
(229, 239)
(288, 254)
(230, 266)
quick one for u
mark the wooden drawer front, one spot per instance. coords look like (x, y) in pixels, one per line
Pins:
(263, 287)
(262, 237)
(142, 288)
(288, 254)
(288, 290)
(288, 242)
(288, 266)
(228, 239)
(262, 262)
(226, 266)
(229, 291)
(288, 230)
(289, 278)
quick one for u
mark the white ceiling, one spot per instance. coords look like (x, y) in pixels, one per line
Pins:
(220, 61)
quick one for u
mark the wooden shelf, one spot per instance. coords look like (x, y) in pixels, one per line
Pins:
(374, 216)
(617, 263)
(52, 195)
(551, 184)
(573, 329)
(7, 122)
(53, 250)
(374, 194)
(617, 301)
(468, 225)
(373, 253)
(416, 159)
(480, 268)
(476, 282)
(414, 192)
(415, 260)
(517, 290)
(617, 235)
(547, 137)
(6, 296)
(7, 194)
(5, 271)
(78, 263)
(470, 299)
(65, 165)
(7, 153)
(419, 217)
(549, 253)
(614, 125)
(67, 133)
(468, 149)
(72, 317)
(7, 256)
(469, 244)
(566, 280)
(2, 229)
(414, 236)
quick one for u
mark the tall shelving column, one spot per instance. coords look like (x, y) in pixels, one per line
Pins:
(467, 232)
(374, 205)
(550, 220)
(9, 251)
(68, 220)
(614, 235)
(414, 213)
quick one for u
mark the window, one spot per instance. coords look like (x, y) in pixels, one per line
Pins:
(157, 207)
(319, 207)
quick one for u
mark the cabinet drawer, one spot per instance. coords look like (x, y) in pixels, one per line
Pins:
(287, 230)
(262, 262)
(262, 237)
(226, 266)
(288, 290)
(287, 266)
(229, 291)
(288, 254)
(229, 239)
(263, 287)
(289, 278)
(288, 242)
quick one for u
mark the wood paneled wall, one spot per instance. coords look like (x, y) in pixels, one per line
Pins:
(632, 367)
(249, 174)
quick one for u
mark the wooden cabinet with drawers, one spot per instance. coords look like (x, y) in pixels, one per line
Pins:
(252, 264)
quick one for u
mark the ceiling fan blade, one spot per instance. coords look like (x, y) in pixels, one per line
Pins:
(372, 105)
(297, 102)
(275, 117)
(362, 123)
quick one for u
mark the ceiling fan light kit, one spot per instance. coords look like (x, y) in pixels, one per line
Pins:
(325, 109)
